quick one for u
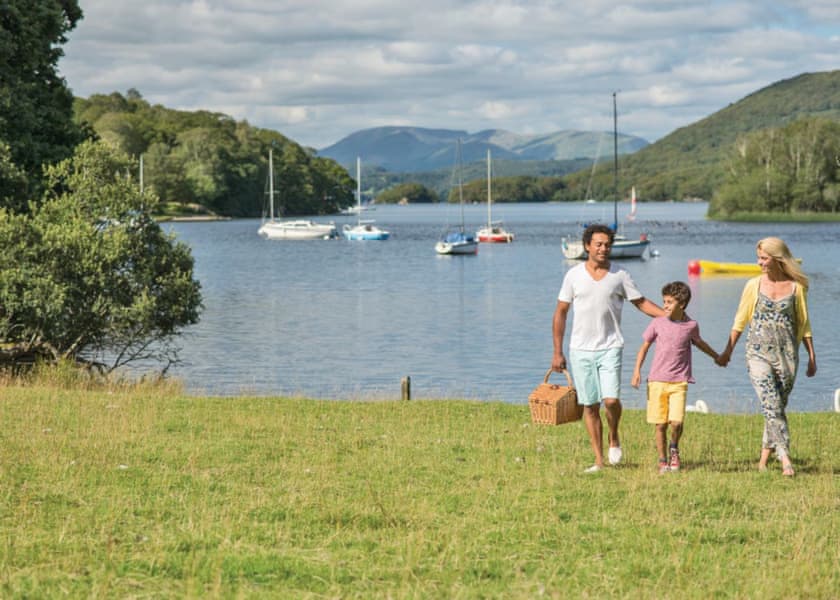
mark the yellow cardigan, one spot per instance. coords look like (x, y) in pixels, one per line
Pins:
(749, 298)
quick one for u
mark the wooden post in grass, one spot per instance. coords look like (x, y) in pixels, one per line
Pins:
(405, 385)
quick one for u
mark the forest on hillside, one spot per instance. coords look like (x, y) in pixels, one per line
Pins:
(692, 161)
(209, 159)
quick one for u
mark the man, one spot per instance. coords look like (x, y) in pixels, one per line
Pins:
(598, 291)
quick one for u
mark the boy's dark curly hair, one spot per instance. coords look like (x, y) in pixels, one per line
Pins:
(679, 291)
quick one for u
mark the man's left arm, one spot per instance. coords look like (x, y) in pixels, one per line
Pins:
(648, 307)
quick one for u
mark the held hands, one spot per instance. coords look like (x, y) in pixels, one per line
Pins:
(723, 358)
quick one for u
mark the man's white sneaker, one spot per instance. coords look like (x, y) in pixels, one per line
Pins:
(593, 469)
(614, 455)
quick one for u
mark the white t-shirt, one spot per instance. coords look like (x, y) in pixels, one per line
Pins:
(597, 306)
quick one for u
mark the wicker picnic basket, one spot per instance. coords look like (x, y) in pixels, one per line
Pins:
(553, 404)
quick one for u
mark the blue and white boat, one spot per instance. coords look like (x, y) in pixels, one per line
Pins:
(458, 241)
(363, 230)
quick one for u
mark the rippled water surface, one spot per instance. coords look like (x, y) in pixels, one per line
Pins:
(348, 320)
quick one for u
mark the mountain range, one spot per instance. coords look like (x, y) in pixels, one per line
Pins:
(416, 149)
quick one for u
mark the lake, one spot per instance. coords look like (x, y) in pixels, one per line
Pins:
(348, 320)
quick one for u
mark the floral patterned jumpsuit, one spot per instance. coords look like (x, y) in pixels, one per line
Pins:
(772, 360)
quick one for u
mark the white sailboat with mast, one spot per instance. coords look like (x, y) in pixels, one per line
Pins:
(494, 231)
(622, 247)
(298, 229)
(364, 229)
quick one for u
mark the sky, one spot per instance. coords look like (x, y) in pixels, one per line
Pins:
(319, 70)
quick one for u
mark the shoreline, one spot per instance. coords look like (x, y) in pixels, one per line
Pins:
(190, 218)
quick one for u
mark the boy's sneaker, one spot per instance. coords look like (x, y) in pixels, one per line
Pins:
(675, 459)
(663, 467)
(614, 455)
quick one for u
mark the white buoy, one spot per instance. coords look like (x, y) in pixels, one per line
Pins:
(701, 407)
(837, 400)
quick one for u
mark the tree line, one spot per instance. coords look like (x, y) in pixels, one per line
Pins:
(786, 170)
(209, 159)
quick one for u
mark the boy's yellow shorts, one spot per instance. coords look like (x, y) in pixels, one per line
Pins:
(666, 401)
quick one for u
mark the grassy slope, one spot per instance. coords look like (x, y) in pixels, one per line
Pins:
(118, 493)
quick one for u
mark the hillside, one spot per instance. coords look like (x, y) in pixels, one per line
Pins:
(416, 149)
(688, 163)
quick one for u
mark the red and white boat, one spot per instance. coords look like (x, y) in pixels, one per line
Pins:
(494, 232)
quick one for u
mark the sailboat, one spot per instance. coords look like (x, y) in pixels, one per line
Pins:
(493, 232)
(458, 241)
(622, 247)
(299, 229)
(363, 229)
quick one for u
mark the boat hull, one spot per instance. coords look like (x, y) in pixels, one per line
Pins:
(573, 250)
(466, 247)
(296, 230)
(365, 233)
(494, 236)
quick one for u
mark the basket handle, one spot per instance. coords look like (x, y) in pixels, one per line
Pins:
(565, 372)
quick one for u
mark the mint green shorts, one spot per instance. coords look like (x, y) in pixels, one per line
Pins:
(596, 375)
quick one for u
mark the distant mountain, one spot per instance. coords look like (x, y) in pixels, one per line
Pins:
(416, 149)
(690, 162)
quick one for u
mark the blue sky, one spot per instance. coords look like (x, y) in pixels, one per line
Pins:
(318, 70)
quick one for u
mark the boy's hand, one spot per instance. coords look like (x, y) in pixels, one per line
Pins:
(636, 379)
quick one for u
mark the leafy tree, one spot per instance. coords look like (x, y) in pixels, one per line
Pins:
(412, 193)
(13, 181)
(210, 159)
(782, 170)
(88, 274)
(36, 108)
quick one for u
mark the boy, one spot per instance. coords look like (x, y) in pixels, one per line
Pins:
(670, 372)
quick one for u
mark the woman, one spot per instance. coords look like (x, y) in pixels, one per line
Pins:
(775, 306)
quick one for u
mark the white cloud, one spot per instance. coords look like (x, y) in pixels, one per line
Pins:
(317, 70)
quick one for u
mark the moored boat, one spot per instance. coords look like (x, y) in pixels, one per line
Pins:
(494, 232)
(297, 229)
(362, 230)
(458, 241)
(622, 246)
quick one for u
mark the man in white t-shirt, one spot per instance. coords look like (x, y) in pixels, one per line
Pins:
(597, 289)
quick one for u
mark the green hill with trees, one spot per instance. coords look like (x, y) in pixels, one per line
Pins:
(692, 162)
(210, 159)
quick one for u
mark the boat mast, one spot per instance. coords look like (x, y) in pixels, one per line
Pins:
(489, 197)
(615, 165)
(358, 191)
(460, 186)
(270, 184)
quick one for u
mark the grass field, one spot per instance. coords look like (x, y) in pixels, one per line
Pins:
(145, 492)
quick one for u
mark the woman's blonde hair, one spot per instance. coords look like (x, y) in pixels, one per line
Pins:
(780, 253)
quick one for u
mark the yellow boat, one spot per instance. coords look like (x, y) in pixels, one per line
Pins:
(711, 267)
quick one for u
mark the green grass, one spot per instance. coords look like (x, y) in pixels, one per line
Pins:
(145, 492)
